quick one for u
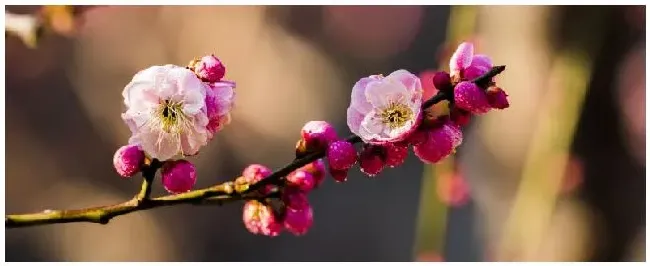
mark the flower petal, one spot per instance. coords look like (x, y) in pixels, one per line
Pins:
(410, 81)
(192, 140)
(191, 91)
(380, 94)
(370, 127)
(158, 144)
(461, 58)
(358, 99)
(354, 119)
(473, 72)
(481, 60)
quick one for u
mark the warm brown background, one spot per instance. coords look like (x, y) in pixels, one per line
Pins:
(294, 64)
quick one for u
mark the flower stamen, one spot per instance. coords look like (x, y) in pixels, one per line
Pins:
(171, 116)
(396, 115)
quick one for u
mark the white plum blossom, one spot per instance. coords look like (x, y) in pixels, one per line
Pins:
(166, 111)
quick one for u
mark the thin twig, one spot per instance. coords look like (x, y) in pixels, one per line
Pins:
(218, 194)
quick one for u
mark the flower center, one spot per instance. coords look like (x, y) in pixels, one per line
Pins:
(170, 115)
(396, 115)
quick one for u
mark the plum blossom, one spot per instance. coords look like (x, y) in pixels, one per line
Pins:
(219, 101)
(464, 64)
(166, 111)
(385, 109)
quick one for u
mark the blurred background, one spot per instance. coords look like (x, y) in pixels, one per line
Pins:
(559, 176)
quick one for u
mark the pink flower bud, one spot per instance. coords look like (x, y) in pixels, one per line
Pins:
(128, 160)
(471, 98)
(441, 142)
(178, 176)
(497, 98)
(341, 155)
(460, 116)
(295, 198)
(298, 221)
(210, 69)
(317, 170)
(396, 154)
(259, 219)
(371, 160)
(474, 72)
(255, 173)
(441, 80)
(339, 176)
(302, 180)
(418, 136)
(318, 134)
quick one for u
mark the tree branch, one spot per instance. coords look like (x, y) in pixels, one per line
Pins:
(218, 194)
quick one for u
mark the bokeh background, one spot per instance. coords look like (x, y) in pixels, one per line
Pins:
(559, 176)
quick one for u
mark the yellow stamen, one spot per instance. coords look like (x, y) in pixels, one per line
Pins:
(396, 115)
(171, 116)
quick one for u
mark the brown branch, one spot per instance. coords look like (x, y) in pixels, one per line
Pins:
(218, 194)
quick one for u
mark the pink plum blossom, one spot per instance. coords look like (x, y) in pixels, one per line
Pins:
(385, 109)
(260, 219)
(166, 111)
(219, 101)
(466, 65)
(128, 160)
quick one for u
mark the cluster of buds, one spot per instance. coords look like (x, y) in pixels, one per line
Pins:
(387, 114)
(291, 211)
(174, 111)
